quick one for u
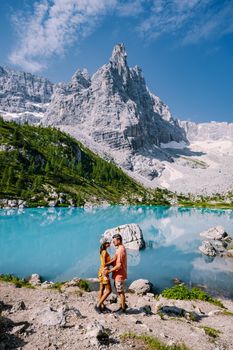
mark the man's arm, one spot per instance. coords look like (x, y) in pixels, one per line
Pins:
(118, 263)
(111, 261)
(115, 268)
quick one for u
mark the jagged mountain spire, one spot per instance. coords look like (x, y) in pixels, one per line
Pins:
(119, 56)
(118, 61)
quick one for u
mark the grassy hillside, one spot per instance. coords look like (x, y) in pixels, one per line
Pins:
(44, 165)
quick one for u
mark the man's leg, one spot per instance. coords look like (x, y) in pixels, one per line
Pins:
(122, 300)
(120, 291)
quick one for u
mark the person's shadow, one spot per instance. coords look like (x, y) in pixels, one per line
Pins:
(9, 330)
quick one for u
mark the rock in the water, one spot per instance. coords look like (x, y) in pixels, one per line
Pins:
(140, 286)
(215, 233)
(131, 234)
(35, 279)
(207, 248)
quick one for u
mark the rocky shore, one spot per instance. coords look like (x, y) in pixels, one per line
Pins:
(64, 318)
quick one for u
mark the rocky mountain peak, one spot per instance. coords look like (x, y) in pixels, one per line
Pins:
(119, 56)
(118, 62)
(81, 78)
(116, 111)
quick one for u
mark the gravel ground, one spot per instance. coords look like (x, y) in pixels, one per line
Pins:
(48, 319)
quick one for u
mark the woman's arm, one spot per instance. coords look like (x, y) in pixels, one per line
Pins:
(111, 261)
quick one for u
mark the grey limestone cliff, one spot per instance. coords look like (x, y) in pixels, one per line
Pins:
(212, 131)
(114, 107)
(23, 92)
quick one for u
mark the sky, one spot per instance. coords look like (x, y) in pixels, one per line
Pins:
(184, 47)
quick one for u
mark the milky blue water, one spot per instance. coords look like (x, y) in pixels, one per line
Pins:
(60, 243)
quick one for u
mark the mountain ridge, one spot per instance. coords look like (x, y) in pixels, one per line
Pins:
(115, 114)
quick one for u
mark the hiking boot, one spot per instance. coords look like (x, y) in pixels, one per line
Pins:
(98, 309)
(105, 309)
(120, 308)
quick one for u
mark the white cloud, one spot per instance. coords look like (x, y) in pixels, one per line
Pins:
(54, 26)
(130, 8)
(191, 20)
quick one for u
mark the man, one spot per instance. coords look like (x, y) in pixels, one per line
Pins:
(119, 270)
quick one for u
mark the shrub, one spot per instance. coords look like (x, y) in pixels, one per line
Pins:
(152, 343)
(182, 292)
(83, 284)
(18, 282)
(211, 332)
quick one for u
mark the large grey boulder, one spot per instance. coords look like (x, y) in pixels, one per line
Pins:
(64, 316)
(49, 317)
(207, 248)
(140, 286)
(131, 234)
(215, 233)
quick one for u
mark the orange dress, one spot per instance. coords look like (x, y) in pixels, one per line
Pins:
(104, 258)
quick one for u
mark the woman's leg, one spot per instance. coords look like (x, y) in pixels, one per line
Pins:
(101, 291)
(107, 292)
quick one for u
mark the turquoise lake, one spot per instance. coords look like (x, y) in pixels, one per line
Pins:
(60, 243)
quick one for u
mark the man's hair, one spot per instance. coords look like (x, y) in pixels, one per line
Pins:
(117, 236)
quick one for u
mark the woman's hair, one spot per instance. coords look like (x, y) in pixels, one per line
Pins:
(103, 247)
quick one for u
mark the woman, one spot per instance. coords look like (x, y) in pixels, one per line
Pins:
(104, 280)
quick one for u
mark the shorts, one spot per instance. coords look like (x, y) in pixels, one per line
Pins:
(119, 285)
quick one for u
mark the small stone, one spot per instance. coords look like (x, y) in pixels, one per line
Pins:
(18, 306)
(138, 322)
(35, 279)
(112, 298)
(214, 312)
(18, 329)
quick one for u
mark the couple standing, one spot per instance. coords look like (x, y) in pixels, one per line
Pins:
(118, 270)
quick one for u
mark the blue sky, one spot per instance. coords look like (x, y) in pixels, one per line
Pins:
(185, 47)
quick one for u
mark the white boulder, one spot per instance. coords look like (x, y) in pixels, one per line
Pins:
(208, 248)
(140, 286)
(131, 234)
(215, 233)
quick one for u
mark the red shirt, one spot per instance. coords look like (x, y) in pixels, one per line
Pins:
(121, 257)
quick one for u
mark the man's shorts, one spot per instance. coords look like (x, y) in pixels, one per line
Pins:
(119, 285)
